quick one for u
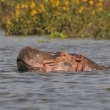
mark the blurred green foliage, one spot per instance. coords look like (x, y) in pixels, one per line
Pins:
(58, 18)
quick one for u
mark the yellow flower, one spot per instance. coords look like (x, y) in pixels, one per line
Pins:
(66, 2)
(22, 5)
(84, 0)
(101, 1)
(99, 4)
(17, 12)
(93, 12)
(42, 7)
(46, 0)
(100, 9)
(81, 9)
(8, 21)
(65, 8)
(56, 3)
(91, 2)
(32, 5)
(77, 1)
(18, 6)
(39, 10)
(33, 12)
(26, 6)
(69, 18)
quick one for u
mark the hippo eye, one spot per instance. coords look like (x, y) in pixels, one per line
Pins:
(64, 55)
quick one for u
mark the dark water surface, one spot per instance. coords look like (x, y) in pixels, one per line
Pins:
(54, 91)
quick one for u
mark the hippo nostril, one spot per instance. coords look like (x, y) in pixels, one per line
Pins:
(44, 58)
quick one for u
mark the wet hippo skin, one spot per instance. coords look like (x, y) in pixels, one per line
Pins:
(71, 62)
(31, 59)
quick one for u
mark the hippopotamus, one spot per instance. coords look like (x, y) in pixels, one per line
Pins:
(70, 62)
(31, 59)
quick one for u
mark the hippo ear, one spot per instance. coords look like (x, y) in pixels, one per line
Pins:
(79, 57)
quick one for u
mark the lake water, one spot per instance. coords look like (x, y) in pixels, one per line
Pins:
(55, 90)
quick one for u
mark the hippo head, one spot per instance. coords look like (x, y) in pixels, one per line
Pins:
(61, 62)
(31, 59)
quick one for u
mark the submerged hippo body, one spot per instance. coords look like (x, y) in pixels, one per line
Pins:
(31, 59)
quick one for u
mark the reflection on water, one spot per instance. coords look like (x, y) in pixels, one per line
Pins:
(54, 91)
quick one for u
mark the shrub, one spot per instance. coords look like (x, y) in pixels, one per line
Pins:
(60, 18)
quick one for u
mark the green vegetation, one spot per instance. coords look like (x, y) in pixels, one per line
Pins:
(57, 18)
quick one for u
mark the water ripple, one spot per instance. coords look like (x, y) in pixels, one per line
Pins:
(55, 90)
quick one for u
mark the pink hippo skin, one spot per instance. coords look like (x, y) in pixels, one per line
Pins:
(31, 59)
(69, 62)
